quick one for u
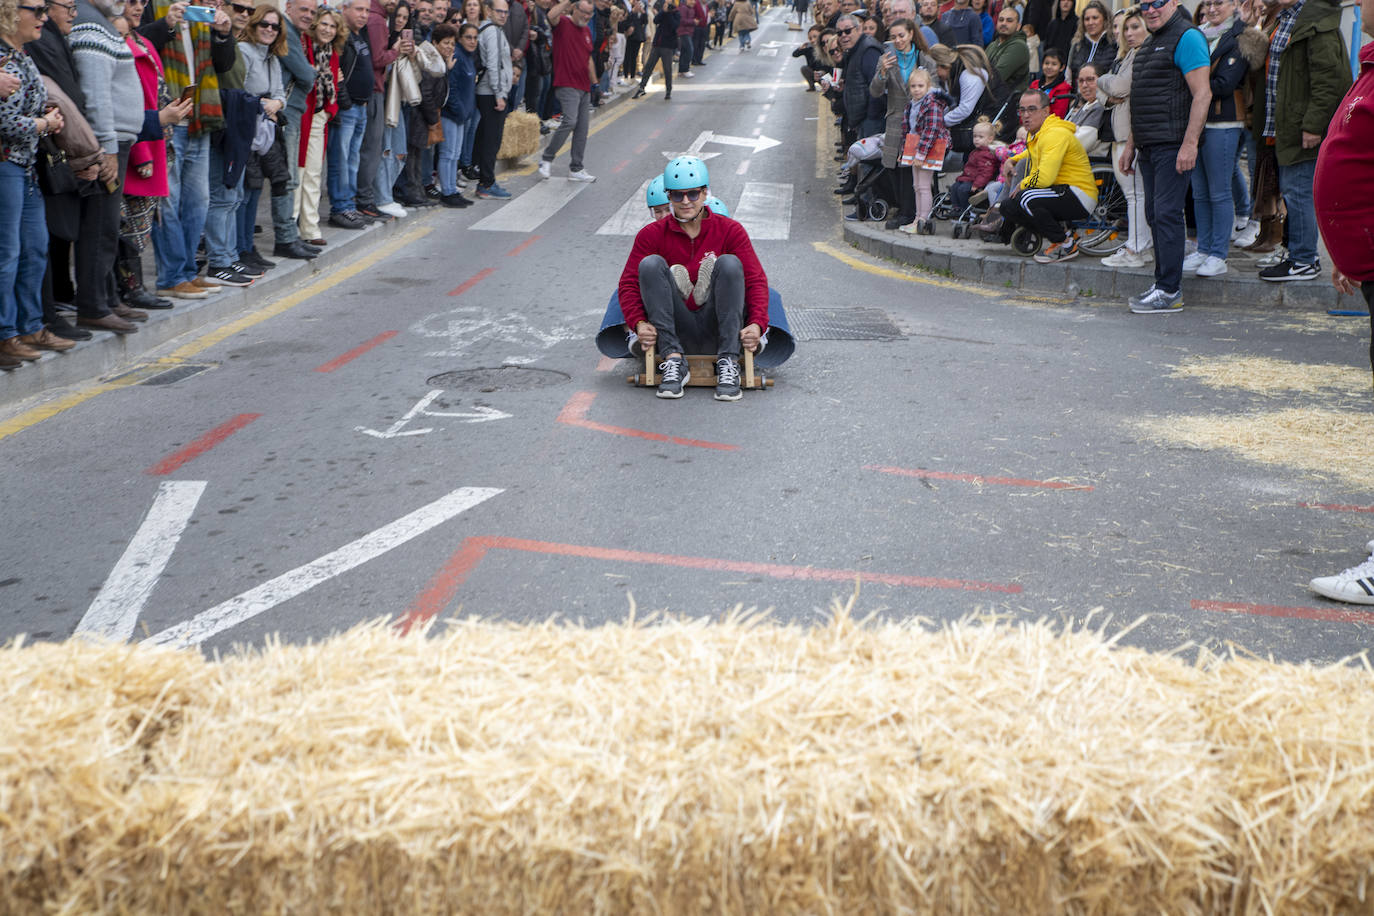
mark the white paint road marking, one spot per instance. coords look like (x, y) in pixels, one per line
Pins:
(765, 209)
(289, 585)
(422, 408)
(528, 211)
(632, 216)
(114, 612)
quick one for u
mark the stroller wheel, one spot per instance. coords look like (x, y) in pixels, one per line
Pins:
(959, 229)
(1024, 241)
(877, 210)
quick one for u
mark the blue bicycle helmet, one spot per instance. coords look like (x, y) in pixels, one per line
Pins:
(655, 196)
(717, 206)
(685, 173)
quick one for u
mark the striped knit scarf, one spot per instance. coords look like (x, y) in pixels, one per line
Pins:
(207, 115)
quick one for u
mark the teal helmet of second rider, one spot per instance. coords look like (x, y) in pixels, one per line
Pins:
(656, 195)
(717, 206)
(685, 173)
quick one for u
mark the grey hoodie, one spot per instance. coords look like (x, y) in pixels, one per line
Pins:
(109, 79)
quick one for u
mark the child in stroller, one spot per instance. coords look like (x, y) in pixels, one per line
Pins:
(872, 196)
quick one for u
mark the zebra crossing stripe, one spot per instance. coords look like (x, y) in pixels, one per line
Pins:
(765, 209)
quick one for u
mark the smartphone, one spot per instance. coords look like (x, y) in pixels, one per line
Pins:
(407, 35)
(189, 91)
(199, 14)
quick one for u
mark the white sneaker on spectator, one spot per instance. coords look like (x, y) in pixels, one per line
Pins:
(1193, 261)
(1247, 236)
(392, 209)
(1355, 585)
(545, 168)
(1240, 224)
(1124, 257)
(581, 175)
(1212, 267)
(1279, 255)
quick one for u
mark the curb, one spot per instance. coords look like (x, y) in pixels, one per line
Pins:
(1085, 276)
(107, 353)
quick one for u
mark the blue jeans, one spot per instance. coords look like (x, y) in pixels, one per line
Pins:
(176, 234)
(1240, 184)
(1212, 181)
(221, 228)
(393, 160)
(345, 139)
(744, 37)
(1165, 190)
(449, 152)
(284, 206)
(23, 252)
(469, 136)
(245, 218)
(1295, 183)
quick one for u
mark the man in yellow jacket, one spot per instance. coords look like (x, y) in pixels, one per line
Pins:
(1058, 186)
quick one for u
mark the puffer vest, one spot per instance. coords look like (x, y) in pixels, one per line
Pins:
(859, 106)
(1160, 98)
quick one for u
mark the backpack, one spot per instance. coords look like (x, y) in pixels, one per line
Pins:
(477, 58)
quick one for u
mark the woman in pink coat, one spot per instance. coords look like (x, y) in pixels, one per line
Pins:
(146, 180)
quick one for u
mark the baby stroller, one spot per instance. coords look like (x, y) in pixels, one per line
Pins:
(873, 193)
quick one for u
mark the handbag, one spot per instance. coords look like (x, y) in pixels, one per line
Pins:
(55, 175)
(265, 135)
(436, 133)
(1106, 131)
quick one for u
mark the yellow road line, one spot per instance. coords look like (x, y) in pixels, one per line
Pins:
(598, 124)
(36, 415)
(906, 275)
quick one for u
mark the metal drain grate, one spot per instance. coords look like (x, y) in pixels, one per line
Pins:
(842, 324)
(172, 376)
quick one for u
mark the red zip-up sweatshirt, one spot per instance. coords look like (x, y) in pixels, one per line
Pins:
(1345, 173)
(719, 235)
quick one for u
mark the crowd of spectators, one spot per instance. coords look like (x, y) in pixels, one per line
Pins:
(1220, 134)
(130, 122)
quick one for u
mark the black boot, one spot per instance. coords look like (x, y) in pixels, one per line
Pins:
(129, 271)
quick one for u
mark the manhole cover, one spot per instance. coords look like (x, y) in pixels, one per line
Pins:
(172, 376)
(500, 378)
(842, 324)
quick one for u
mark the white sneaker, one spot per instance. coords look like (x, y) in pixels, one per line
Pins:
(1354, 586)
(392, 209)
(1193, 261)
(1189, 246)
(545, 169)
(1212, 267)
(1124, 257)
(1247, 236)
(581, 175)
(1240, 224)
(1278, 256)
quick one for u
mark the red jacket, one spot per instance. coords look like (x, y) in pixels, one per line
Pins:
(154, 152)
(382, 57)
(719, 235)
(308, 116)
(1345, 173)
(1061, 95)
(981, 167)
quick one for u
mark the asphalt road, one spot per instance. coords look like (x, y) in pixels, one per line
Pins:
(264, 495)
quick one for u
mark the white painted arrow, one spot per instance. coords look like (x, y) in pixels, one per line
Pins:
(396, 430)
(759, 144)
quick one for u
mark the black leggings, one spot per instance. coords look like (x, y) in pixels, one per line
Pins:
(1043, 209)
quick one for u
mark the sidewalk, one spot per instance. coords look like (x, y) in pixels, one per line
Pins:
(993, 264)
(108, 354)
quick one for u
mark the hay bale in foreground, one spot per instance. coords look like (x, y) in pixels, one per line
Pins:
(520, 137)
(683, 768)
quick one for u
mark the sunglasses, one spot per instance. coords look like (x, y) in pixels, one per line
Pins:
(678, 197)
(1153, 4)
(845, 31)
(241, 8)
(270, 26)
(39, 12)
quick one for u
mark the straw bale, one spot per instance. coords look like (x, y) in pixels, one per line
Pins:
(1265, 375)
(683, 767)
(1321, 441)
(520, 137)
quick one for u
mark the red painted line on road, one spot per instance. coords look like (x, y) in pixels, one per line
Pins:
(1337, 615)
(1336, 507)
(574, 413)
(203, 444)
(654, 134)
(356, 352)
(617, 170)
(441, 589)
(641, 148)
(977, 478)
(606, 364)
(473, 281)
(522, 246)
